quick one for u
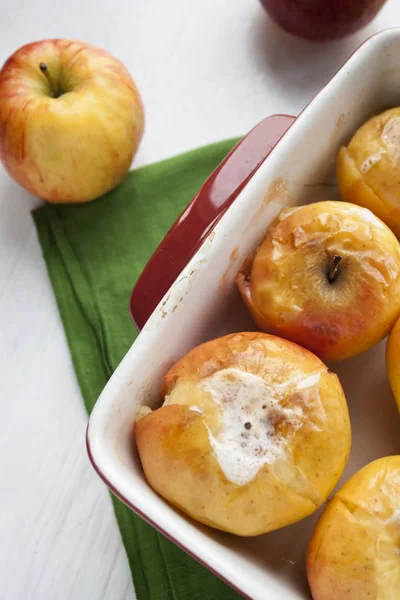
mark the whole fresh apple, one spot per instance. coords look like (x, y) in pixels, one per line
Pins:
(71, 120)
(319, 20)
(327, 276)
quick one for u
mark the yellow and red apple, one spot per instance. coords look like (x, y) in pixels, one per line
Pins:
(327, 276)
(71, 119)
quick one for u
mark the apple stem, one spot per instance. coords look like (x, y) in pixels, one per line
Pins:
(334, 268)
(45, 70)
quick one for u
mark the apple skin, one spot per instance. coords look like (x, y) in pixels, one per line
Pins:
(367, 170)
(68, 134)
(288, 292)
(353, 552)
(393, 361)
(319, 20)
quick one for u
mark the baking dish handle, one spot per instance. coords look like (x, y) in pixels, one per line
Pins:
(199, 218)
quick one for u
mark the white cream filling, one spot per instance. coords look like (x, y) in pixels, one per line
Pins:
(249, 411)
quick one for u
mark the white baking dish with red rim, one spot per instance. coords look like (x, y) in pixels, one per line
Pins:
(203, 303)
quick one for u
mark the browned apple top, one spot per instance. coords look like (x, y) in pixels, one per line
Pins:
(327, 277)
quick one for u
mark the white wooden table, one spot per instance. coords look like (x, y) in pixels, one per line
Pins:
(207, 71)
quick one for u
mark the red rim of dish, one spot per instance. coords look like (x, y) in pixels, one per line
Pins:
(200, 217)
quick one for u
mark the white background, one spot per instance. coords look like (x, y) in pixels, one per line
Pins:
(207, 70)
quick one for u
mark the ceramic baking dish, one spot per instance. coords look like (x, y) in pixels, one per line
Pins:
(197, 301)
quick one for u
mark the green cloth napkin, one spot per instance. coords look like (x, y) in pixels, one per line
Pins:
(94, 254)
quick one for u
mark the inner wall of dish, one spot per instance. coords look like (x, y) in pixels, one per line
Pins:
(205, 304)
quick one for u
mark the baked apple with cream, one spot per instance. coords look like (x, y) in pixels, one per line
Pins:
(327, 277)
(368, 168)
(253, 434)
(354, 552)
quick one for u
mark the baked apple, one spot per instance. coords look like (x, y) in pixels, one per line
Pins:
(354, 552)
(393, 361)
(368, 168)
(327, 277)
(253, 434)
